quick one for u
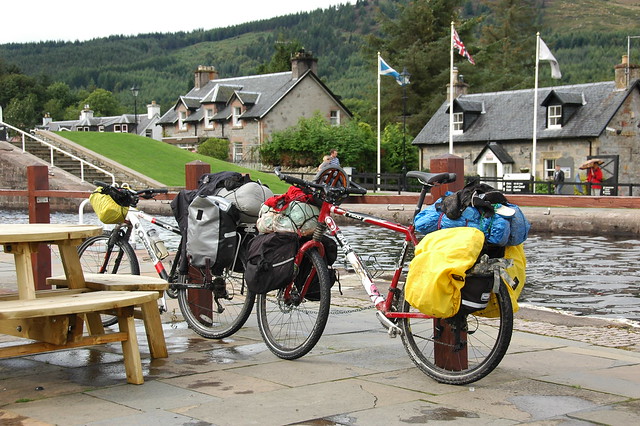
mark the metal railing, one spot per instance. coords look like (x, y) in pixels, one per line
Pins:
(53, 148)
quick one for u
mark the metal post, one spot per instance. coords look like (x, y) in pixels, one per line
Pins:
(405, 82)
(135, 92)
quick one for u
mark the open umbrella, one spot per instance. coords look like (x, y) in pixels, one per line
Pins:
(590, 163)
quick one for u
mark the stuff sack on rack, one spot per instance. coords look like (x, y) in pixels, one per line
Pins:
(107, 208)
(211, 233)
(289, 212)
(330, 256)
(437, 272)
(248, 198)
(270, 261)
(496, 228)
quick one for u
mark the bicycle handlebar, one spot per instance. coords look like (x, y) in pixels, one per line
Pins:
(147, 194)
(337, 191)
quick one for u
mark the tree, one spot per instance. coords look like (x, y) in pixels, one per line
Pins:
(103, 103)
(23, 112)
(418, 39)
(391, 144)
(305, 143)
(216, 148)
(281, 59)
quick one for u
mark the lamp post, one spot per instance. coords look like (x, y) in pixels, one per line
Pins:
(405, 82)
(135, 92)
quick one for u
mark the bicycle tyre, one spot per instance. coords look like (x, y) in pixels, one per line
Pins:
(92, 252)
(487, 342)
(291, 330)
(200, 311)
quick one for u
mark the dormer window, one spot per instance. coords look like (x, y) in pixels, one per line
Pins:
(208, 115)
(237, 112)
(458, 122)
(554, 116)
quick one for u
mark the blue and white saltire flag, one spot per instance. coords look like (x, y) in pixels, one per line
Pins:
(385, 69)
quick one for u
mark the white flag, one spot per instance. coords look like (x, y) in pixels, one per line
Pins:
(546, 55)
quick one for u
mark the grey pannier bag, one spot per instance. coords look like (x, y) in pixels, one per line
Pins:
(211, 232)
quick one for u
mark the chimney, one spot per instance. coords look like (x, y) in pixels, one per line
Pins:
(301, 62)
(204, 74)
(46, 119)
(625, 73)
(459, 86)
(86, 112)
(153, 109)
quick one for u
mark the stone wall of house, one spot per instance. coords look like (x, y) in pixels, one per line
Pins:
(622, 138)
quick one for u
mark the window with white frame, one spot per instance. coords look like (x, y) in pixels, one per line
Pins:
(554, 116)
(208, 115)
(101, 128)
(116, 128)
(237, 111)
(237, 152)
(334, 118)
(549, 168)
(181, 124)
(458, 122)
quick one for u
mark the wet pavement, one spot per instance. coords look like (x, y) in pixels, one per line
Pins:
(559, 370)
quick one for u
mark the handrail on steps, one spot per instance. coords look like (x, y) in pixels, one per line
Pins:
(62, 151)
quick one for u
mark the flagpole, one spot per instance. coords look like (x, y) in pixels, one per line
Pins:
(535, 110)
(451, 92)
(378, 168)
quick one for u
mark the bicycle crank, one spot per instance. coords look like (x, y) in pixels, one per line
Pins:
(392, 329)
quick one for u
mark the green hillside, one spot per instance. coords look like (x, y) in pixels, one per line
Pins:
(160, 161)
(587, 37)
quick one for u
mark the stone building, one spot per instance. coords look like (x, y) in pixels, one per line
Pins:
(246, 110)
(493, 132)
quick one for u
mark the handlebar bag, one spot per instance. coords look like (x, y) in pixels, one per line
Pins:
(211, 232)
(106, 208)
(270, 261)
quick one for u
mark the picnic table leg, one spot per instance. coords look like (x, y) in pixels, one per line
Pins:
(130, 351)
(153, 328)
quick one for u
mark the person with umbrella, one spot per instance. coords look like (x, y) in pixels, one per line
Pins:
(594, 176)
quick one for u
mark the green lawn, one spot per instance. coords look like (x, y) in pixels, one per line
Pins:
(158, 160)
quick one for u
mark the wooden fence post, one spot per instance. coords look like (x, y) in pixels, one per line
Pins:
(193, 171)
(39, 212)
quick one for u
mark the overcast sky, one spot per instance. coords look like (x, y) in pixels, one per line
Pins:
(39, 20)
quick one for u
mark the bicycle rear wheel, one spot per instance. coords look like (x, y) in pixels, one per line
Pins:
(215, 310)
(487, 341)
(291, 328)
(98, 256)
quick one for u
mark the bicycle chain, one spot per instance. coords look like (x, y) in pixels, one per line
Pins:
(331, 311)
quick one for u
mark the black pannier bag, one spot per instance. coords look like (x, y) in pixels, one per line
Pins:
(211, 233)
(330, 256)
(270, 261)
(475, 293)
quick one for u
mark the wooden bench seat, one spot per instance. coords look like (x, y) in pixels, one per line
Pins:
(115, 282)
(149, 313)
(57, 323)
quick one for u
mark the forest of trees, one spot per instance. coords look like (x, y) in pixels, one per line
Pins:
(60, 77)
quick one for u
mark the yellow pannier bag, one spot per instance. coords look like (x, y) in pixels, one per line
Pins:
(517, 275)
(107, 210)
(438, 270)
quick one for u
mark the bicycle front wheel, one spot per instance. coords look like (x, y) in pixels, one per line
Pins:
(289, 326)
(218, 309)
(98, 256)
(461, 349)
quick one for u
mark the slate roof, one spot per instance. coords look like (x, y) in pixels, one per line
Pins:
(260, 93)
(499, 152)
(508, 115)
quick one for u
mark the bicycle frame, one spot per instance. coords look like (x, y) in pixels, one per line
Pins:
(134, 221)
(381, 302)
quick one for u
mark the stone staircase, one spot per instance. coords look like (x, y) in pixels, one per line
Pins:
(62, 160)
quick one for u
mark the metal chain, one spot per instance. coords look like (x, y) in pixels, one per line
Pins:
(331, 311)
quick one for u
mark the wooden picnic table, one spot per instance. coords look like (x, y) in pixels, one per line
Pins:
(55, 319)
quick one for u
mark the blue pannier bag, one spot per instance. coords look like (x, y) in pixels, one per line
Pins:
(519, 227)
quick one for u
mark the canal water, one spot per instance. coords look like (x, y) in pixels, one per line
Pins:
(580, 275)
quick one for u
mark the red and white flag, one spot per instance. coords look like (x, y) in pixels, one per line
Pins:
(458, 44)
